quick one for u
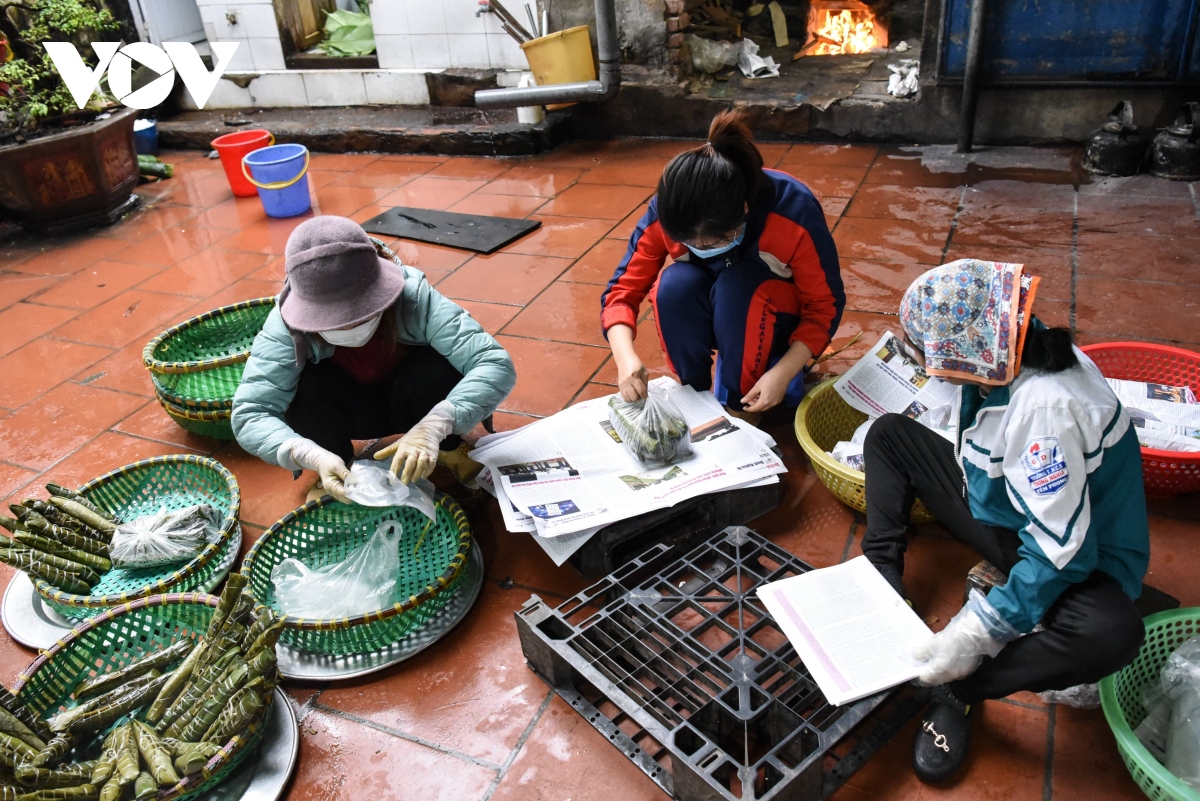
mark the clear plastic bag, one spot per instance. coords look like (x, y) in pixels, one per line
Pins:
(653, 430)
(165, 537)
(1171, 729)
(371, 483)
(362, 582)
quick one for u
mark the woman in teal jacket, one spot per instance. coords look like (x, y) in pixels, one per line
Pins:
(359, 348)
(1044, 482)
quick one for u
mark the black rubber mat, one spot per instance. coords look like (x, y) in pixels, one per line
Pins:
(467, 231)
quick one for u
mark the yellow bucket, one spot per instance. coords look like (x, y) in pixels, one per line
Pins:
(561, 57)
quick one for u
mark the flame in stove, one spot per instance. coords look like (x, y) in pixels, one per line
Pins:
(845, 31)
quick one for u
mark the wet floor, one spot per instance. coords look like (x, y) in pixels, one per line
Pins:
(467, 719)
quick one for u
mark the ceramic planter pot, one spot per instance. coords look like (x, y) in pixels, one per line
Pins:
(78, 178)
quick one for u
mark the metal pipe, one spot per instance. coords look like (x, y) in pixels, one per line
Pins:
(966, 119)
(587, 91)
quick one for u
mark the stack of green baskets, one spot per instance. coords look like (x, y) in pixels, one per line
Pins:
(142, 488)
(1121, 699)
(116, 638)
(324, 532)
(197, 365)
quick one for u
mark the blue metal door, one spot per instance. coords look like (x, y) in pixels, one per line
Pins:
(1153, 40)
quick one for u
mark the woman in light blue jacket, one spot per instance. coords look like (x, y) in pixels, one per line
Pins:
(359, 348)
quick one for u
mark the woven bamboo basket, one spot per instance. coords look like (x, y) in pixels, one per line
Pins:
(116, 638)
(822, 421)
(214, 423)
(199, 362)
(324, 532)
(141, 488)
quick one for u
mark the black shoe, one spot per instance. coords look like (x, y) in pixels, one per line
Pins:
(942, 741)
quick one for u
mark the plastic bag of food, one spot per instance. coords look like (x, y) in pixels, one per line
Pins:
(362, 582)
(371, 483)
(165, 537)
(653, 429)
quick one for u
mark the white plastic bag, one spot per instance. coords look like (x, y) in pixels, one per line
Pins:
(753, 65)
(371, 483)
(164, 537)
(363, 582)
(653, 430)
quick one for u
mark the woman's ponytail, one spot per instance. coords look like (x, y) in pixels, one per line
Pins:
(1048, 350)
(703, 192)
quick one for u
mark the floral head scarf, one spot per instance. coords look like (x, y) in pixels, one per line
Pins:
(969, 316)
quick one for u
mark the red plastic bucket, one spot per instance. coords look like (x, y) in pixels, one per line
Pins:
(232, 148)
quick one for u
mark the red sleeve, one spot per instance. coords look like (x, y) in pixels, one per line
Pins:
(819, 307)
(635, 275)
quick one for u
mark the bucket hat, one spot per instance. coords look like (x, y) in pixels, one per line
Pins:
(335, 279)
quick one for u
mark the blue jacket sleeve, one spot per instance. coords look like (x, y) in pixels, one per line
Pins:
(267, 389)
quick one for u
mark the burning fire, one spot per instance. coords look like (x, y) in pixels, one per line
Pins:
(845, 31)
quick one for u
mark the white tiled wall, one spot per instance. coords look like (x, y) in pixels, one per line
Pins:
(412, 37)
(253, 27)
(301, 88)
(437, 34)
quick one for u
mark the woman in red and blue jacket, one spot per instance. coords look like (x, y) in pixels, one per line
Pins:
(753, 275)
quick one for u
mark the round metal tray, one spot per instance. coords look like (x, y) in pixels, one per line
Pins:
(263, 776)
(34, 624)
(309, 666)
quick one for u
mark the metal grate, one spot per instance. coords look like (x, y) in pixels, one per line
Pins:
(677, 657)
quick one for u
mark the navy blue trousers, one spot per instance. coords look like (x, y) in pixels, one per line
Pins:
(744, 312)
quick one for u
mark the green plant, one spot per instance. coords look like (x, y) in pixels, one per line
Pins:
(35, 94)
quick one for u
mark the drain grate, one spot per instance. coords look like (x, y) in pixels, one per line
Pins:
(679, 665)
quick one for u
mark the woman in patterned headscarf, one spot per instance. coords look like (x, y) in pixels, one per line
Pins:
(1044, 481)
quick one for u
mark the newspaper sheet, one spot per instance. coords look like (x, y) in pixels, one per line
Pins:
(1165, 417)
(570, 472)
(852, 631)
(888, 379)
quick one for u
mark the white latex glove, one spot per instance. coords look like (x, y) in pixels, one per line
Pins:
(415, 454)
(308, 455)
(956, 651)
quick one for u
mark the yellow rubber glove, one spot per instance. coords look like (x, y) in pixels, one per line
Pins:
(415, 454)
(329, 466)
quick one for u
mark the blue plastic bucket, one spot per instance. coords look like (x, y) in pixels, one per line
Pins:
(281, 174)
(145, 137)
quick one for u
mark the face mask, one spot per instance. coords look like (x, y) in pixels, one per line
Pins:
(354, 337)
(717, 251)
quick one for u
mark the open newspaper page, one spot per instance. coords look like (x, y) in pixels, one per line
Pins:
(559, 549)
(852, 631)
(889, 380)
(1165, 417)
(571, 472)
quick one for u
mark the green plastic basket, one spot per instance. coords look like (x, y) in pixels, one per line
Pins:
(1121, 700)
(324, 532)
(217, 424)
(143, 488)
(199, 362)
(114, 639)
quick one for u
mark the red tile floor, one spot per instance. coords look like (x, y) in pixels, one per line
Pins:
(467, 719)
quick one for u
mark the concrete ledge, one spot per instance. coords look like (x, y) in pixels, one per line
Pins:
(396, 129)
